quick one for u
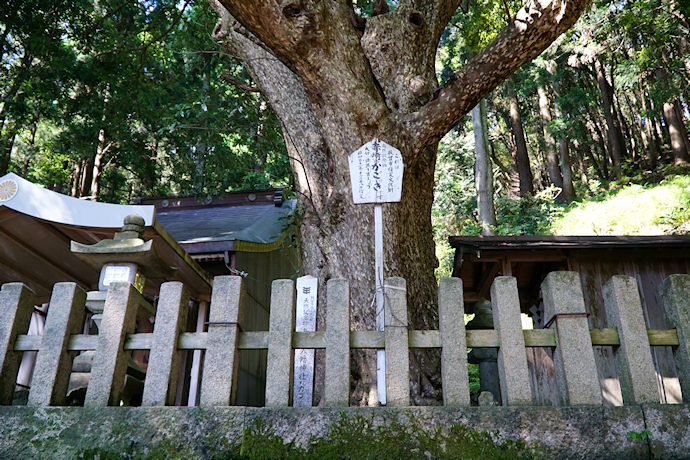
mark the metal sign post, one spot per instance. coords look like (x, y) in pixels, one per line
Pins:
(376, 171)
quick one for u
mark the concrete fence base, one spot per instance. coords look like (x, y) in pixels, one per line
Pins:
(215, 432)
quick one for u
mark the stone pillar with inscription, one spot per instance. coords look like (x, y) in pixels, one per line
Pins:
(305, 321)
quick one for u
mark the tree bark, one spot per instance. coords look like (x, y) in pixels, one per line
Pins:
(335, 82)
(101, 150)
(581, 164)
(521, 156)
(6, 147)
(87, 176)
(76, 180)
(675, 131)
(626, 140)
(553, 168)
(564, 152)
(613, 129)
(567, 168)
(31, 146)
(483, 177)
(594, 120)
(639, 140)
(677, 106)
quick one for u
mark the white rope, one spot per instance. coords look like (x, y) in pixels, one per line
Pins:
(238, 272)
(397, 288)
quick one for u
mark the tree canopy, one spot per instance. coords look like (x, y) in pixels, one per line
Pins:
(118, 99)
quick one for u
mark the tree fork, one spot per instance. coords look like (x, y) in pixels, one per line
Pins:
(334, 88)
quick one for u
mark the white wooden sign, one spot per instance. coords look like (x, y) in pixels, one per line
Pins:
(303, 387)
(376, 171)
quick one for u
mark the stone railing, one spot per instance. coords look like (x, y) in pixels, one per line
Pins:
(574, 360)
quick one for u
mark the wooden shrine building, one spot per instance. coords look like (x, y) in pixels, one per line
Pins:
(649, 259)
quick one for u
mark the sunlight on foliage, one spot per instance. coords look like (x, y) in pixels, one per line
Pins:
(633, 210)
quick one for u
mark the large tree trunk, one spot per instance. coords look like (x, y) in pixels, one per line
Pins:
(675, 130)
(335, 83)
(483, 177)
(581, 163)
(521, 156)
(564, 152)
(101, 150)
(567, 168)
(87, 177)
(652, 146)
(613, 128)
(549, 143)
(677, 106)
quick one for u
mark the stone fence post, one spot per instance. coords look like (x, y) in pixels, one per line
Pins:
(337, 337)
(110, 360)
(576, 370)
(53, 363)
(675, 298)
(451, 318)
(513, 371)
(634, 356)
(164, 360)
(16, 306)
(397, 343)
(221, 362)
(280, 358)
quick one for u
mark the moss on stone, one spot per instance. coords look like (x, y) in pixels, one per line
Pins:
(359, 438)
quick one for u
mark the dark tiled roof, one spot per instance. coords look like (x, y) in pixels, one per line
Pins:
(258, 223)
(257, 217)
(500, 243)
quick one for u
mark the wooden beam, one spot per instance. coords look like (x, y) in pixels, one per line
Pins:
(487, 278)
(40, 256)
(251, 340)
(470, 297)
(7, 215)
(539, 338)
(605, 337)
(67, 233)
(506, 267)
(478, 338)
(29, 277)
(661, 337)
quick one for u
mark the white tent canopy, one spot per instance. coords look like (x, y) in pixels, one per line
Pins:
(28, 198)
(37, 225)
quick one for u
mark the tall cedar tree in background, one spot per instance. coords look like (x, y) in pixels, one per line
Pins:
(336, 80)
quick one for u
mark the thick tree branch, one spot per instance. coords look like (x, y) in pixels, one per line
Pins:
(285, 27)
(401, 48)
(438, 12)
(534, 28)
(228, 79)
(318, 43)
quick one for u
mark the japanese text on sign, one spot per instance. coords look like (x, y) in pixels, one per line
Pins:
(376, 171)
(304, 358)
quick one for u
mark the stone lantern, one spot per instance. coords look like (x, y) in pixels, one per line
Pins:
(126, 257)
(486, 357)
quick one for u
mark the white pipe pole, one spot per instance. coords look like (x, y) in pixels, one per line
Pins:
(193, 399)
(378, 255)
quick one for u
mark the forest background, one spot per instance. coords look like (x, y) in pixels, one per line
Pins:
(117, 99)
